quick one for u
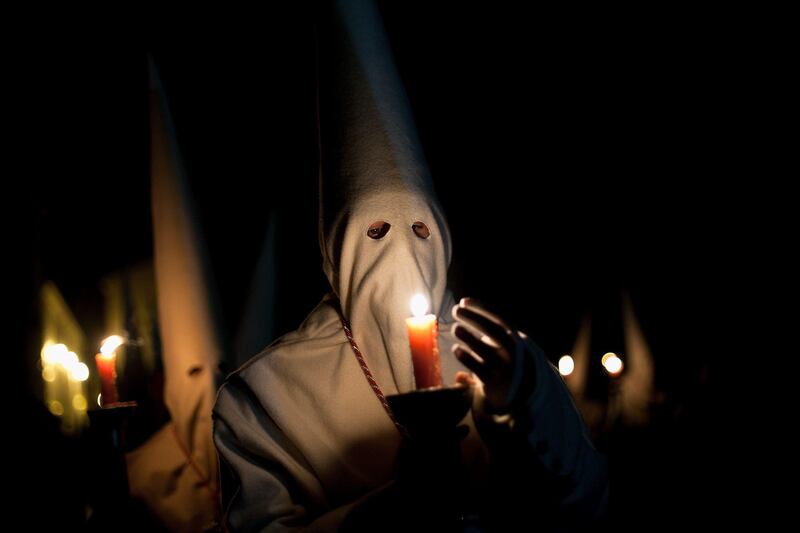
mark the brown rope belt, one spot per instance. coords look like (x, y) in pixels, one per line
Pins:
(368, 374)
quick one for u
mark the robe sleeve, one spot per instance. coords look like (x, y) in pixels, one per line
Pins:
(542, 449)
(266, 483)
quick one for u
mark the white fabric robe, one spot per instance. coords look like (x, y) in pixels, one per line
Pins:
(306, 439)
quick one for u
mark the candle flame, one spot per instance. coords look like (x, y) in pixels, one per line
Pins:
(79, 372)
(70, 360)
(566, 365)
(419, 305)
(612, 363)
(54, 354)
(110, 344)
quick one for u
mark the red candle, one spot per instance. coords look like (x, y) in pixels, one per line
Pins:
(422, 332)
(107, 368)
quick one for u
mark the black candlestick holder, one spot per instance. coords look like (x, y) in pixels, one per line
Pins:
(430, 457)
(110, 422)
(110, 496)
(432, 411)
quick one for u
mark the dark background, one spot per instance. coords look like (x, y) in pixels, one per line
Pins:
(577, 155)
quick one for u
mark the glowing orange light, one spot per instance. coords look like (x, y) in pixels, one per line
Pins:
(419, 305)
(54, 354)
(79, 402)
(56, 408)
(79, 372)
(110, 344)
(566, 365)
(612, 363)
(48, 374)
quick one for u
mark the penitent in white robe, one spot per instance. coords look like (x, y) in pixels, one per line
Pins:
(301, 436)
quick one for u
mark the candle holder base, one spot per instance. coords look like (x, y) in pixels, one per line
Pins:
(108, 423)
(431, 411)
(108, 476)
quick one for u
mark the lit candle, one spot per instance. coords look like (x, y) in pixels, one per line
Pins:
(422, 332)
(107, 368)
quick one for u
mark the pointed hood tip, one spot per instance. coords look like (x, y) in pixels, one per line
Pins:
(369, 146)
(153, 76)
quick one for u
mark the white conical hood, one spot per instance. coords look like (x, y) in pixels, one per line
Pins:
(638, 383)
(258, 321)
(373, 169)
(190, 339)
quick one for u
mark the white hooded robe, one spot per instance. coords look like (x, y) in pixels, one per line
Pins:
(302, 437)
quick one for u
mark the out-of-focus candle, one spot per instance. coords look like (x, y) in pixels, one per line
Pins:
(107, 368)
(612, 363)
(422, 332)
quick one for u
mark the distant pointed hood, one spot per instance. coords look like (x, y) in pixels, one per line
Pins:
(638, 383)
(190, 338)
(258, 321)
(373, 169)
(581, 358)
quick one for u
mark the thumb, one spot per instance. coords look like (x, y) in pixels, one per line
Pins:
(465, 378)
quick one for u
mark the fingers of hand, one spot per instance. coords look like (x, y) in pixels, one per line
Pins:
(496, 332)
(477, 307)
(469, 360)
(489, 352)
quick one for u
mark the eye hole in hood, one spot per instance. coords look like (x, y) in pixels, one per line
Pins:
(421, 230)
(378, 229)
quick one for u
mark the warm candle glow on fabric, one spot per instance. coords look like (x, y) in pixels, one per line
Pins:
(422, 333)
(79, 402)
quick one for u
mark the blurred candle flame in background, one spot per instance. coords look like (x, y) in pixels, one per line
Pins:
(612, 363)
(566, 365)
